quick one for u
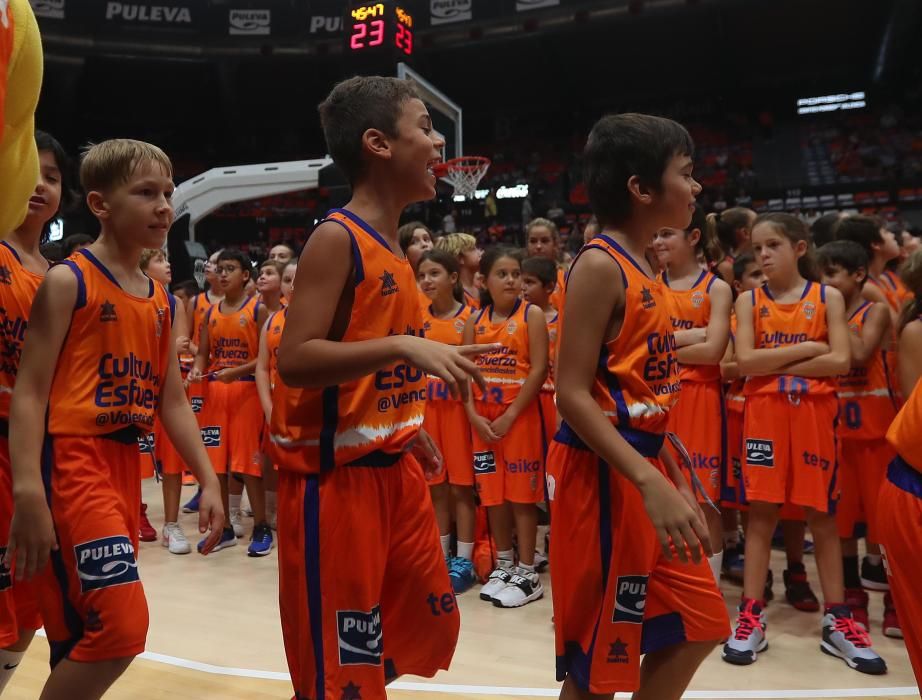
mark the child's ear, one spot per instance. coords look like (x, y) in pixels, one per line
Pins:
(737, 286)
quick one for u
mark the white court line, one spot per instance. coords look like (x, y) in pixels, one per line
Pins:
(452, 689)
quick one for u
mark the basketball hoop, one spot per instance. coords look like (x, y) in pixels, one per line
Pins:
(463, 174)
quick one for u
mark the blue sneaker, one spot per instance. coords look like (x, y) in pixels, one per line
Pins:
(461, 573)
(261, 542)
(192, 505)
(228, 539)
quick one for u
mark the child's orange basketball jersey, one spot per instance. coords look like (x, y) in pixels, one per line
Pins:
(906, 428)
(691, 308)
(889, 290)
(735, 398)
(17, 290)
(899, 290)
(778, 325)
(443, 330)
(471, 300)
(114, 359)
(506, 369)
(274, 329)
(233, 336)
(560, 290)
(638, 382)
(317, 429)
(553, 326)
(865, 393)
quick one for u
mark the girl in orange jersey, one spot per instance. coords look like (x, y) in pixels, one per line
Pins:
(791, 343)
(900, 521)
(267, 375)
(508, 454)
(155, 265)
(22, 268)
(269, 285)
(542, 239)
(464, 247)
(439, 278)
(232, 434)
(732, 229)
(700, 309)
(910, 325)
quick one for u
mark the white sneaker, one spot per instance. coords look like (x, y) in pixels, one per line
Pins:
(175, 539)
(236, 521)
(497, 581)
(522, 588)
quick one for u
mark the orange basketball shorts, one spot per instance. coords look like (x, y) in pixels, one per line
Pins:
(862, 471)
(789, 450)
(233, 426)
(548, 417)
(733, 493)
(511, 469)
(447, 424)
(167, 457)
(18, 604)
(899, 525)
(90, 596)
(364, 592)
(615, 596)
(699, 419)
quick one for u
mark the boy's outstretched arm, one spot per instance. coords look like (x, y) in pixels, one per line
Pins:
(310, 354)
(182, 427)
(32, 534)
(594, 292)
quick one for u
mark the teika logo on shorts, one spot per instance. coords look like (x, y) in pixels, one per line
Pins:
(108, 561)
(630, 599)
(359, 637)
(148, 13)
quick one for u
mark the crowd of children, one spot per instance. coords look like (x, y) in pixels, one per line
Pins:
(686, 384)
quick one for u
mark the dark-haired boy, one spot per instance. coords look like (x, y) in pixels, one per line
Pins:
(364, 591)
(621, 508)
(880, 245)
(539, 284)
(866, 410)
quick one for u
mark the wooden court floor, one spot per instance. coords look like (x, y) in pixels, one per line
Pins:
(215, 634)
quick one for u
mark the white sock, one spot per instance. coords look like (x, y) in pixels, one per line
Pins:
(9, 660)
(446, 544)
(874, 559)
(505, 558)
(271, 502)
(466, 550)
(530, 568)
(716, 563)
(234, 502)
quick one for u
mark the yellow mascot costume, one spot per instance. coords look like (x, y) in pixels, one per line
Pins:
(20, 84)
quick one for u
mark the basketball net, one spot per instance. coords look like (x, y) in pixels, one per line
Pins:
(463, 174)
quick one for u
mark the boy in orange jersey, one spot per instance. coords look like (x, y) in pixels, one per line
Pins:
(622, 509)
(899, 521)
(22, 268)
(542, 239)
(866, 409)
(99, 364)
(363, 604)
(881, 246)
(539, 280)
(229, 345)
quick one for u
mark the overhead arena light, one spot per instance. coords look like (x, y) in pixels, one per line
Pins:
(831, 103)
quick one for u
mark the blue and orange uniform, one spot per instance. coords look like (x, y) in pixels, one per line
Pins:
(899, 522)
(198, 308)
(546, 399)
(471, 301)
(342, 454)
(559, 294)
(867, 406)
(733, 494)
(274, 328)
(789, 442)
(18, 607)
(446, 421)
(511, 468)
(615, 596)
(232, 413)
(104, 394)
(701, 400)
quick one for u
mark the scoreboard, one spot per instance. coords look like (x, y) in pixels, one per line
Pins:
(384, 27)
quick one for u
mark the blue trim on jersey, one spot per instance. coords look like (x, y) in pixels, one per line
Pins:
(905, 477)
(366, 227)
(590, 246)
(822, 293)
(356, 253)
(710, 282)
(866, 306)
(753, 298)
(12, 251)
(724, 440)
(661, 632)
(311, 518)
(614, 244)
(81, 283)
(832, 499)
(377, 459)
(330, 412)
(105, 271)
(614, 389)
(515, 308)
(647, 444)
(172, 301)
